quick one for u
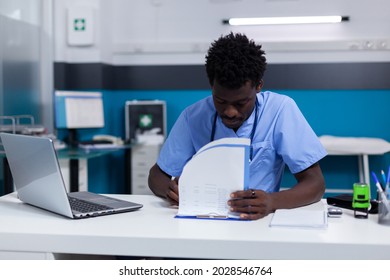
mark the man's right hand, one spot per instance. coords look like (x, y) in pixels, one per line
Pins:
(173, 192)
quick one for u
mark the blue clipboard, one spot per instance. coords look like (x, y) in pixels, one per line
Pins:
(210, 217)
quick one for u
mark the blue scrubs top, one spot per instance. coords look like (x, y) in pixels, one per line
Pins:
(282, 137)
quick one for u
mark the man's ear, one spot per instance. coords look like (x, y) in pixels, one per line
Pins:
(259, 86)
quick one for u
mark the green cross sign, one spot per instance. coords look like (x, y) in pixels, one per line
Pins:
(79, 24)
(145, 120)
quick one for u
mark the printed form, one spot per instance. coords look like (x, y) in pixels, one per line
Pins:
(214, 172)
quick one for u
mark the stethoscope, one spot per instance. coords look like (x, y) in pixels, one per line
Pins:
(252, 132)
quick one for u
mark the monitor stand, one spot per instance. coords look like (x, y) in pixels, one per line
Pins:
(73, 162)
(72, 138)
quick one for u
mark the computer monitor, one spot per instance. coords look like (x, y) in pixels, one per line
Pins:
(78, 110)
(144, 116)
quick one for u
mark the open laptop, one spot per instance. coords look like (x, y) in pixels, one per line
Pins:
(38, 180)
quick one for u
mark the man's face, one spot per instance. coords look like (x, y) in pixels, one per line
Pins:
(234, 106)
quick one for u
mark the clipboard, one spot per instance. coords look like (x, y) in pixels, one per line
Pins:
(210, 217)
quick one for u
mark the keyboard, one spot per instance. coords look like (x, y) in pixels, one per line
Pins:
(83, 206)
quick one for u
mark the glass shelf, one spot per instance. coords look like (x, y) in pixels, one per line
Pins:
(81, 153)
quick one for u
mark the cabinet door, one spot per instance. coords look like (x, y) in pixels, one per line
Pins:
(143, 157)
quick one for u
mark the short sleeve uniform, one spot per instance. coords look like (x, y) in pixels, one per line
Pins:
(282, 137)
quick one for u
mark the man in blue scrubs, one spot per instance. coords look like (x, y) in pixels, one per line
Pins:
(279, 133)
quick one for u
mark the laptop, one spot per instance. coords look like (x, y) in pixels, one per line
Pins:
(38, 180)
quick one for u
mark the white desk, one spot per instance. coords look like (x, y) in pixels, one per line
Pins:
(153, 231)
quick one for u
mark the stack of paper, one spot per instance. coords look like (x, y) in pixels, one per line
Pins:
(312, 216)
(214, 172)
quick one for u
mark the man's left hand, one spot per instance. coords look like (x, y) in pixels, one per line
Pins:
(251, 204)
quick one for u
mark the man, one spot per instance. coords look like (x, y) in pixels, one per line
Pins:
(278, 131)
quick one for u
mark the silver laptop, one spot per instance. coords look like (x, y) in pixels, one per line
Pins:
(39, 182)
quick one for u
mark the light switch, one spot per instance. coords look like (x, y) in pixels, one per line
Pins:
(80, 26)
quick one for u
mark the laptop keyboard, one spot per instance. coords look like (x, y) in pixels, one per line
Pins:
(83, 206)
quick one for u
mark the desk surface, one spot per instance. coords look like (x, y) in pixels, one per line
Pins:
(153, 231)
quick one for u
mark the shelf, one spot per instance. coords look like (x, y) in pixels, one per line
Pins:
(362, 147)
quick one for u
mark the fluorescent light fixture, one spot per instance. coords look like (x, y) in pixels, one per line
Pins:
(285, 20)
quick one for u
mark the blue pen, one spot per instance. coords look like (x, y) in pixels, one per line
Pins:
(388, 178)
(387, 190)
(377, 184)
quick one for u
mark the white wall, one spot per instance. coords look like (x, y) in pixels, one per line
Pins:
(137, 32)
(64, 52)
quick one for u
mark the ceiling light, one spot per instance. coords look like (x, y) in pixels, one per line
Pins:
(285, 20)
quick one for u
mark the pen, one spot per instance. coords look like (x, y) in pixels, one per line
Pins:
(384, 178)
(387, 191)
(377, 184)
(382, 195)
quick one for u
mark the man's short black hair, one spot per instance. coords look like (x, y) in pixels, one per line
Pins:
(232, 60)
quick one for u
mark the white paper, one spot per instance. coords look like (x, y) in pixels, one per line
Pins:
(218, 169)
(312, 216)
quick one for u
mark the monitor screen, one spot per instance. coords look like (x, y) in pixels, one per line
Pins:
(76, 109)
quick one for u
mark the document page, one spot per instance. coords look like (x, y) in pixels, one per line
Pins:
(218, 169)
